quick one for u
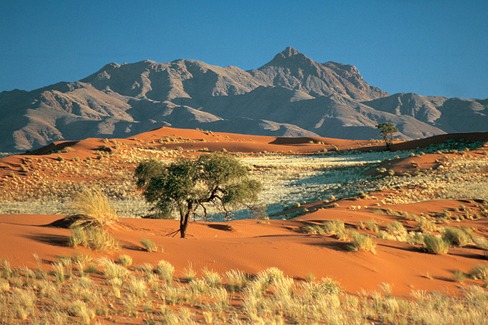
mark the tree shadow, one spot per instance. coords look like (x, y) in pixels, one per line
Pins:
(221, 227)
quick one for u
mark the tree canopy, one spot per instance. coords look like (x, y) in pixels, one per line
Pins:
(188, 186)
(387, 130)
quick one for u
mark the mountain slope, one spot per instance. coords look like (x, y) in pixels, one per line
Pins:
(452, 115)
(291, 69)
(290, 95)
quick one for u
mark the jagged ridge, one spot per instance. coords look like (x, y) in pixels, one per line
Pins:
(290, 95)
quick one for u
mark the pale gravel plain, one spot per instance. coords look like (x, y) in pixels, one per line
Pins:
(288, 180)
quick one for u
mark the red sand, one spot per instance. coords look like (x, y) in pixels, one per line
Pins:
(251, 245)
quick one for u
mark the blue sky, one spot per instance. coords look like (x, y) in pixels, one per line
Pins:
(431, 47)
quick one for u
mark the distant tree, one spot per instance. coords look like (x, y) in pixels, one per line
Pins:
(387, 130)
(188, 186)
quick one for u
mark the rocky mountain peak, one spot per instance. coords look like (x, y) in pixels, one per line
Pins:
(289, 52)
(290, 58)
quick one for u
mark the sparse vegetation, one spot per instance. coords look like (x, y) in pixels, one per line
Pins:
(149, 245)
(397, 230)
(125, 260)
(361, 242)
(456, 236)
(435, 244)
(83, 290)
(479, 272)
(269, 297)
(92, 237)
(93, 209)
(165, 270)
(387, 130)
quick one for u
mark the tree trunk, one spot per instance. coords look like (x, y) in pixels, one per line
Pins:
(184, 225)
(184, 220)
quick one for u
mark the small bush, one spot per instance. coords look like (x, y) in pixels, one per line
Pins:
(313, 230)
(480, 242)
(427, 225)
(415, 238)
(94, 238)
(165, 270)
(459, 276)
(372, 226)
(396, 229)
(94, 209)
(125, 260)
(189, 274)
(336, 228)
(362, 242)
(236, 280)
(112, 270)
(456, 237)
(212, 278)
(435, 245)
(149, 245)
(79, 308)
(479, 272)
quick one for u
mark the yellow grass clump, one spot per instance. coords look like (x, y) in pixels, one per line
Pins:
(94, 209)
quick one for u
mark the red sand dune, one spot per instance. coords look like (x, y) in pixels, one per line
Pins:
(251, 245)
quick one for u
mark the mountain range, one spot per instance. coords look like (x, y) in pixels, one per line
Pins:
(292, 95)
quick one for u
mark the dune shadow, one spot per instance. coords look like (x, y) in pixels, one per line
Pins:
(132, 247)
(293, 140)
(335, 245)
(301, 235)
(53, 240)
(475, 256)
(413, 249)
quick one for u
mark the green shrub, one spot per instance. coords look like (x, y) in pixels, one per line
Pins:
(435, 245)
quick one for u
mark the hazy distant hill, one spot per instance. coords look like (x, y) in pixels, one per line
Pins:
(291, 95)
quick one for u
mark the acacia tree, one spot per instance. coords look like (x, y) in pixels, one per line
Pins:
(188, 186)
(387, 130)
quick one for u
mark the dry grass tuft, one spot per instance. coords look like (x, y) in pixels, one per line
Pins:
(435, 245)
(97, 239)
(95, 209)
(361, 242)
